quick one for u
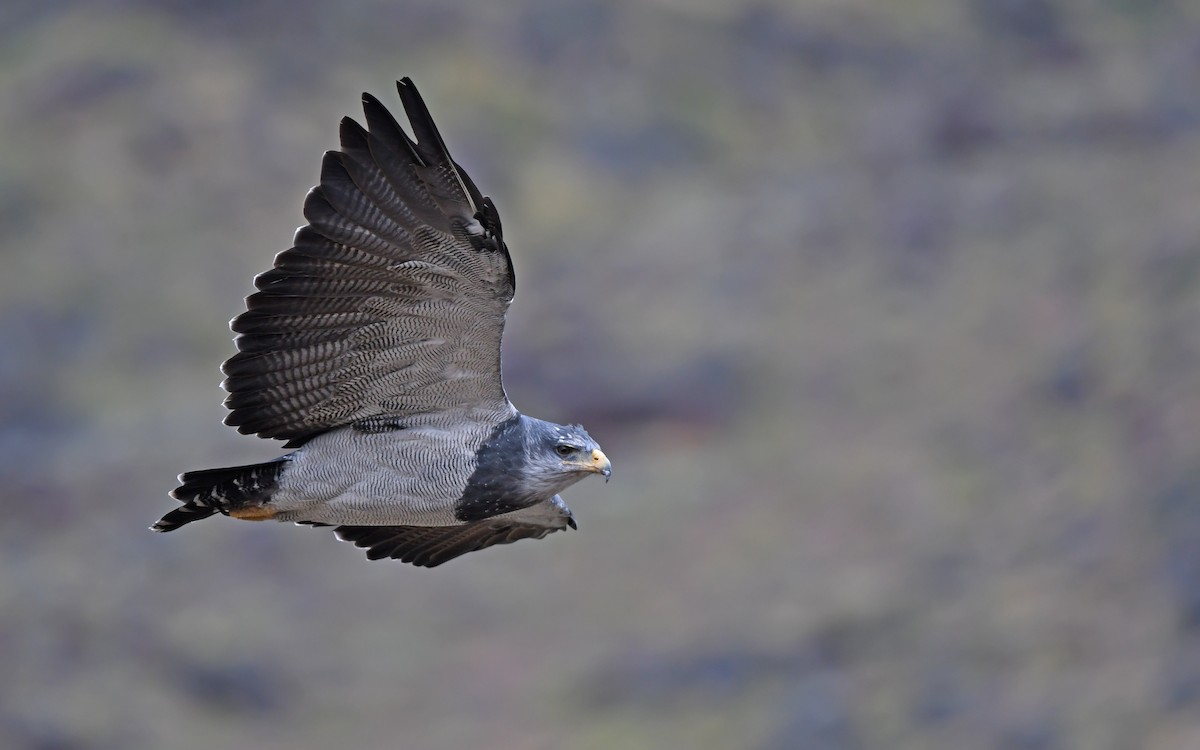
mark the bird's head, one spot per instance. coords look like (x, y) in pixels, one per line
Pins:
(558, 456)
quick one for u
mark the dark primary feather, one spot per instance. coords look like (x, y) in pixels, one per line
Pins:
(391, 301)
(430, 546)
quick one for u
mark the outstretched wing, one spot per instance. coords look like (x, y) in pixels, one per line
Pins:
(430, 546)
(392, 301)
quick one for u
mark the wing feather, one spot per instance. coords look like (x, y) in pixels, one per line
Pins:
(430, 546)
(391, 301)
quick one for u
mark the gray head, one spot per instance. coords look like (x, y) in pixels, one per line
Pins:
(557, 456)
(528, 461)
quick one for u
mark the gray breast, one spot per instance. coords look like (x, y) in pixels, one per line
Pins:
(496, 485)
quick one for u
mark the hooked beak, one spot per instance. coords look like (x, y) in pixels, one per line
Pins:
(600, 464)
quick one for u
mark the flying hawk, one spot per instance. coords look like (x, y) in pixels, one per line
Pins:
(373, 348)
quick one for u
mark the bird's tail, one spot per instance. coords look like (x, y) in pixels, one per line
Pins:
(227, 490)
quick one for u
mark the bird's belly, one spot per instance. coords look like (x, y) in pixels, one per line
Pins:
(402, 478)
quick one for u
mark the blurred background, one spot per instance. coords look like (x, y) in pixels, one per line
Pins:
(888, 315)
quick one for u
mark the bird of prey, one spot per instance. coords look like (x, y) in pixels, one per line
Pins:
(373, 348)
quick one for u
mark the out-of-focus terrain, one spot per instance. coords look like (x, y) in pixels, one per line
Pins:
(888, 315)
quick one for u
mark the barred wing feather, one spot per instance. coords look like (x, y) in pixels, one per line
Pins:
(391, 302)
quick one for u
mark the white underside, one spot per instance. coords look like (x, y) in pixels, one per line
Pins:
(410, 477)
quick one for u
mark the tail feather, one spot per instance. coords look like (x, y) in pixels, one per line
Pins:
(210, 491)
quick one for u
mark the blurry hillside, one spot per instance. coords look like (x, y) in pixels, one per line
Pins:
(887, 313)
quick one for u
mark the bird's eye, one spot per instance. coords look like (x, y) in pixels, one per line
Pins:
(564, 450)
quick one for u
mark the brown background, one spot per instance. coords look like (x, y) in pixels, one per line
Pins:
(887, 313)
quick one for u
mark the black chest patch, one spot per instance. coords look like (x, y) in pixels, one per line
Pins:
(495, 486)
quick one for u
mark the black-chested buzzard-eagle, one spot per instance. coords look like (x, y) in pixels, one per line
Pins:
(373, 348)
